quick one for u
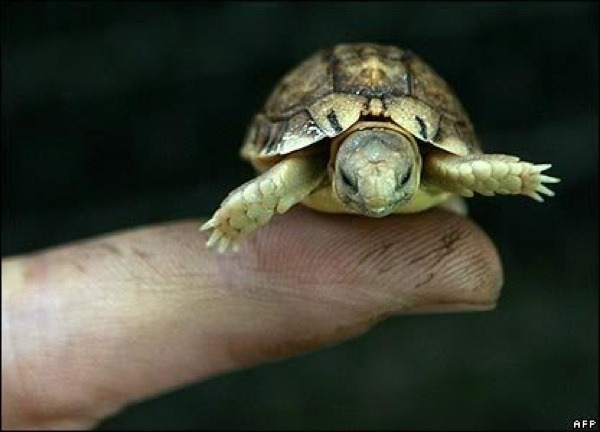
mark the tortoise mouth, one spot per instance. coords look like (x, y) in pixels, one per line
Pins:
(357, 204)
(380, 211)
(374, 212)
(360, 206)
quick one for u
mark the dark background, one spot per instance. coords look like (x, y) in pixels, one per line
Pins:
(116, 115)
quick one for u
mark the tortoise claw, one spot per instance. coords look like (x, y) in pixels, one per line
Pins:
(540, 179)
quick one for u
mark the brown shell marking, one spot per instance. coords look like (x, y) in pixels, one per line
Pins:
(428, 87)
(328, 93)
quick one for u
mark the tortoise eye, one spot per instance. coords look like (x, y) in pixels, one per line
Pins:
(405, 177)
(348, 182)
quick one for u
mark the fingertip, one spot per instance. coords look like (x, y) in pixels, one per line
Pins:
(434, 261)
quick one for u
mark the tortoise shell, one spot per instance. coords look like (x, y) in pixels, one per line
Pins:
(336, 87)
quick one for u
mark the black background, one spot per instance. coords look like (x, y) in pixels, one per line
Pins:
(116, 115)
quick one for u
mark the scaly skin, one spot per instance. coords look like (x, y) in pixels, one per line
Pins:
(488, 174)
(254, 203)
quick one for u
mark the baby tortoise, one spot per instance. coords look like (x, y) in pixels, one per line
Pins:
(364, 129)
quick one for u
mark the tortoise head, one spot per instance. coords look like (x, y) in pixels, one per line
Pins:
(376, 171)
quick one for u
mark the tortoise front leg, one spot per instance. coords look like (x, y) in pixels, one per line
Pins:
(487, 174)
(255, 202)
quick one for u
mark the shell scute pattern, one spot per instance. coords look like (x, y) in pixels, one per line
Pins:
(334, 88)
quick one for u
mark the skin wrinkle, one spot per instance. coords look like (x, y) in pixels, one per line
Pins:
(475, 268)
(425, 281)
(273, 272)
(274, 276)
(441, 251)
(432, 244)
(374, 254)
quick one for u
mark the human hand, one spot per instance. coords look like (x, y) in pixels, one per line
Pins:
(92, 326)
